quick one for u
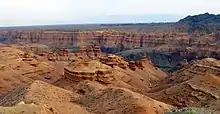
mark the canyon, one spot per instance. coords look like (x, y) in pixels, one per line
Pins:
(34, 83)
(157, 68)
(166, 49)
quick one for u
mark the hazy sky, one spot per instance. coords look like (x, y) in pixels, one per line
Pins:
(34, 12)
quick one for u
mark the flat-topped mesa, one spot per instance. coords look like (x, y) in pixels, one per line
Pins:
(113, 60)
(89, 70)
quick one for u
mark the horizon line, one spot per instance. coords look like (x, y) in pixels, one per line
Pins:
(106, 24)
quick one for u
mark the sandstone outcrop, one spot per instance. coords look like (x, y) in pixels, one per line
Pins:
(89, 51)
(200, 91)
(195, 85)
(112, 70)
(113, 60)
(208, 66)
(18, 67)
(91, 70)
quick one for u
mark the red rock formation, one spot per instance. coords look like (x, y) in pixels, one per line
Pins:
(113, 60)
(132, 65)
(196, 84)
(109, 38)
(91, 52)
(160, 42)
(92, 70)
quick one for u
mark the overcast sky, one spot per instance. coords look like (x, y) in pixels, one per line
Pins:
(35, 12)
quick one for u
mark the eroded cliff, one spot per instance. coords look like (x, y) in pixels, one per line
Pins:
(166, 49)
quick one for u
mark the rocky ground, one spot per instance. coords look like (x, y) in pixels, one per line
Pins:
(33, 83)
(17, 67)
(112, 69)
(195, 85)
(101, 100)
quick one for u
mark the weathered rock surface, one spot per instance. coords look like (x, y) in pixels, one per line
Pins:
(195, 85)
(89, 70)
(89, 51)
(18, 67)
(110, 38)
(166, 49)
(112, 70)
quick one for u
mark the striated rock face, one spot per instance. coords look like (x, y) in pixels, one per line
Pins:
(197, 68)
(113, 60)
(195, 85)
(103, 71)
(112, 70)
(197, 92)
(166, 49)
(89, 51)
(18, 68)
(103, 38)
(108, 38)
(92, 70)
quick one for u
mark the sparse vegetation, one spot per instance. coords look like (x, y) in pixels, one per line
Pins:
(204, 23)
(191, 111)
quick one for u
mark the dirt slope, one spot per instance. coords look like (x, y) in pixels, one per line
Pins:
(16, 70)
(43, 94)
(197, 85)
(25, 109)
(42, 97)
(140, 80)
(117, 101)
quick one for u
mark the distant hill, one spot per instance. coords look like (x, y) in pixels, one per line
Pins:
(203, 23)
(206, 23)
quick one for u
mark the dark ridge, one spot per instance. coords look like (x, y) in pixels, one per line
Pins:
(205, 23)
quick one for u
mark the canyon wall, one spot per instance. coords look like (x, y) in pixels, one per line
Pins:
(166, 49)
(108, 38)
(103, 38)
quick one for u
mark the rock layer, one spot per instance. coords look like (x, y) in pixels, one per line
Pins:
(92, 70)
(103, 38)
(195, 85)
(166, 49)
